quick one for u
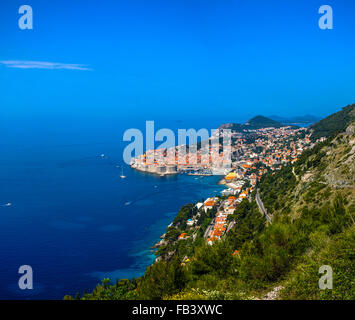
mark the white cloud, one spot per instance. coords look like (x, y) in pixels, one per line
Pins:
(43, 65)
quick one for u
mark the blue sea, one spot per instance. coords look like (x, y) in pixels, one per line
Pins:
(72, 218)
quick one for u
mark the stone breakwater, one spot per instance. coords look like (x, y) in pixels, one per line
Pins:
(155, 169)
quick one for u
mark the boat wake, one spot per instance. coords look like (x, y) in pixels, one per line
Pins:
(9, 204)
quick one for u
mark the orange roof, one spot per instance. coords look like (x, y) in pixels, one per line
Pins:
(210, 203)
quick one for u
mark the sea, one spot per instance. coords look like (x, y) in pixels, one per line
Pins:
(66, 212)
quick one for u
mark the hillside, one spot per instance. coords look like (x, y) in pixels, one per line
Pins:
(312, 205)
(337, 122)
(317, 197)
(257, 122)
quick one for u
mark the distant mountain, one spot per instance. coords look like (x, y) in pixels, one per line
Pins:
(335, 123)
(258, 122)
(306, 119)
(278, 118)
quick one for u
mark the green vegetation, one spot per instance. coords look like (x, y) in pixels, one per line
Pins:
(335, 123)
(121, 290)
(339, 254)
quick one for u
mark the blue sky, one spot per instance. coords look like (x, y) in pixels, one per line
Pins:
(179, 58)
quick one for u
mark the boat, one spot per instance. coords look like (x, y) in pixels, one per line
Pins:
(122, 176)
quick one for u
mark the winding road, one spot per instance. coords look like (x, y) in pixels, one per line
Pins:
(261, 207)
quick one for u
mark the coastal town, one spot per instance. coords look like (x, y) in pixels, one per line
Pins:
(250, 154)
(254, 152)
